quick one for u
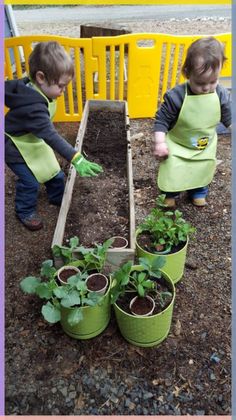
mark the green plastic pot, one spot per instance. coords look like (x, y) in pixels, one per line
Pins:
(175, 262)
(146, 331)
(95, 319)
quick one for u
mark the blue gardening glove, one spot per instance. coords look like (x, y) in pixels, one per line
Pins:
(85, 167)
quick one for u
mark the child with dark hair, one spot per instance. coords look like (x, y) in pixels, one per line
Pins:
(30, 136)
(185, 138)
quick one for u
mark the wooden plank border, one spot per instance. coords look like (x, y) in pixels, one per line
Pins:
(115, 257)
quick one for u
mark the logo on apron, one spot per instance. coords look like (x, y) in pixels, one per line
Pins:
(202, 142)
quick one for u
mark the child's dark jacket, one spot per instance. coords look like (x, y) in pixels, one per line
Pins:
(168, 113)
(28, 113)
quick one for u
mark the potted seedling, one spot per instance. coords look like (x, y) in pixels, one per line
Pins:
(92, 261)
(119, 242)
(133, 288)
(65, 272)
(97, 282)
(82, 314)
(166, 232)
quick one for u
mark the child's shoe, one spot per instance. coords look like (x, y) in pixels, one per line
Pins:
(32, 222)
(199, 202)
(169, 202)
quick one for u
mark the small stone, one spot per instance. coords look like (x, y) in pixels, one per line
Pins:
(147, 395)
(191, 263)
(132, 406)
(200, 412)
(114, 399)
(168, 382)
(72, 395)
(64, 391)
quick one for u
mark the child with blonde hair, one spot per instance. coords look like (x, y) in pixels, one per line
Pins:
(185, 138)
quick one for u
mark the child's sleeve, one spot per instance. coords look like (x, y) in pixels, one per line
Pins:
(41, 126)
(225, 103)
(167, 115)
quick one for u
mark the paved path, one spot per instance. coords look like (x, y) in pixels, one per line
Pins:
(95, 13)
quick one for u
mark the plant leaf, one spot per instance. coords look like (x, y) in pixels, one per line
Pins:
(60, 292)
(29, 284)
(47, 269)
(140, 290)
(72, 298)
(74, 242)
(43, 290)
(75, 316)
(50, 313)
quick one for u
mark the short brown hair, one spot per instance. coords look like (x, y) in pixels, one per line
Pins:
(210, 50)
(52, 59)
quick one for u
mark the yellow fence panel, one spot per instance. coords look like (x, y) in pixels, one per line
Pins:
(111, 77)
(69, 105)
(136, 67)
(141, 67)
(154, 65)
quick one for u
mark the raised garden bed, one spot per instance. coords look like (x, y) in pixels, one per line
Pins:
(97, 208)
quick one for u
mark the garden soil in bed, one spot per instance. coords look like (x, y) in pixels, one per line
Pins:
(100, 205)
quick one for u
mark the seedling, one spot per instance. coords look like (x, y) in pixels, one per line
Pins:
(72, 295)
(141, 281)
(166, 228)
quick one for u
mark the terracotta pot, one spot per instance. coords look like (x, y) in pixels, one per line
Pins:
(65, 272)
(97, 282)
(142, 306)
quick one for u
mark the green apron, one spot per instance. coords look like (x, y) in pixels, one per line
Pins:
(192, 144)
(37, 154)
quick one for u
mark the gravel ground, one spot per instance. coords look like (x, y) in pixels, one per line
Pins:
(48, 373)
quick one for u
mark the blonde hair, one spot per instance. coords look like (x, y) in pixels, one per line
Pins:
(208, 51)
(52, 59)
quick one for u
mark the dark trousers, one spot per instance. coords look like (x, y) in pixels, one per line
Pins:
(27, 189)
(195, 193)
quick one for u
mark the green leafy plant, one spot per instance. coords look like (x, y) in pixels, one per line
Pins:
(86, 259)
(66, 252)
(166, 228)
(141, 281)
(72, 295)
(95, 259)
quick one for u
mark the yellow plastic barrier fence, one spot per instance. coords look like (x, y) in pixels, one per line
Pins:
(153, 63)
(136, 67)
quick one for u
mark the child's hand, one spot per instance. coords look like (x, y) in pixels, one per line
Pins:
(160, 150)
(84, 167)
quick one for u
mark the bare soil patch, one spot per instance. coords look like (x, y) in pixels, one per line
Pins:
(99, 207)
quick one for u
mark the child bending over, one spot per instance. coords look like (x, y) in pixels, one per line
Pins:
(30, 136)
(185, 137)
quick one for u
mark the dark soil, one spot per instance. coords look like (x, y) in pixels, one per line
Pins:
(145, 241)
(49, 373)
(142, 306)
(119, 242)
(161, 287)
(66, 274)
(99, 207)
(96, 282)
